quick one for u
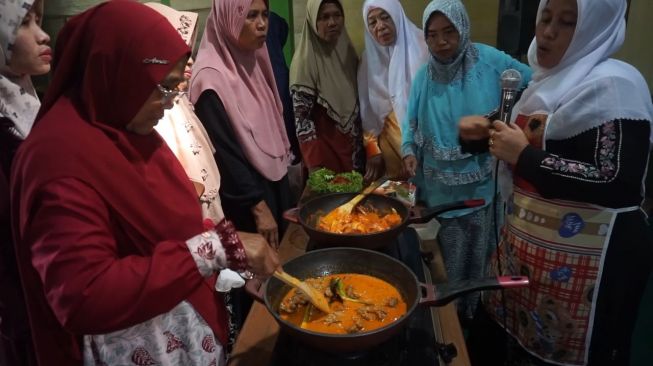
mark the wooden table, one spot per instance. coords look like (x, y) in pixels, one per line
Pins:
(255, 344)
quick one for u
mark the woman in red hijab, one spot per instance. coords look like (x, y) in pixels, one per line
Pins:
(116, 263)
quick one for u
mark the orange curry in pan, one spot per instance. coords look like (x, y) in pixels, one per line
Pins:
(363, 220)
(359, 303)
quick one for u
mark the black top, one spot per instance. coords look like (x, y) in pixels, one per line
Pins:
(14, 324)
(240, 184)
(610, 174)
(276, 40)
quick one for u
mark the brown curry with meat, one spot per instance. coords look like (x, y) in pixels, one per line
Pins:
(359, 303)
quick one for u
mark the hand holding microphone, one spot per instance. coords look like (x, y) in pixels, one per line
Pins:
(510, 83)
(507, 140)
(472, 125)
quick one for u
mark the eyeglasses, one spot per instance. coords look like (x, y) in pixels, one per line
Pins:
(167, 95)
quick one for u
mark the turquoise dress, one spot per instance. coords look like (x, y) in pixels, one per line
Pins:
(444, 174)
(430, 130)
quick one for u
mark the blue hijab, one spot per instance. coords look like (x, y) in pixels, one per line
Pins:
(446, 71)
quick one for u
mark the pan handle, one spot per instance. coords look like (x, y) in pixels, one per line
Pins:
(255, 288)
(442, 294)
(292, 215)
(428, 213)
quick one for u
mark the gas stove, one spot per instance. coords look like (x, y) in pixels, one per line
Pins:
(416, 345)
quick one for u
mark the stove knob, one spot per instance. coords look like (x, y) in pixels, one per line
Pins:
(447, 352)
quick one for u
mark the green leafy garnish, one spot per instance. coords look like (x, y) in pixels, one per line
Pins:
(325, 180)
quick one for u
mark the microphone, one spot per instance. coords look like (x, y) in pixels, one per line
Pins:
(510, 82)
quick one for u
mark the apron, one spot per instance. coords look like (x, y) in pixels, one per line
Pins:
(561, 246)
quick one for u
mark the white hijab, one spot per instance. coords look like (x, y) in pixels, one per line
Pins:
(386, 73)
(18, 100)
(587, 88)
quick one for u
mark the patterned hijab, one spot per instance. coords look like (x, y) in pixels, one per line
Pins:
(587, 88)
(326, 71)
(185, 22)
(245, 83)
(18, 100)
(446, 71)
(386, 73)
(184, 133)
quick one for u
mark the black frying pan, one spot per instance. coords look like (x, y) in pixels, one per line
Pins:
(309, 213)
(353, 260)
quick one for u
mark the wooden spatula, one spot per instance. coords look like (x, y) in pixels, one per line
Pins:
(314, 296)
(349, 206)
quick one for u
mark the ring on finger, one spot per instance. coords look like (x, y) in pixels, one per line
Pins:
(491, 142)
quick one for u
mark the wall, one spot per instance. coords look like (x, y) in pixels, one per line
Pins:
(483, 14)
(285, 9)
(637, 49)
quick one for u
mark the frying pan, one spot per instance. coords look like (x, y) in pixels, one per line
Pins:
(354, 260)
(309, 213)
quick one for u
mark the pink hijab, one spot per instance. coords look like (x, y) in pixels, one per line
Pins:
(245, 83)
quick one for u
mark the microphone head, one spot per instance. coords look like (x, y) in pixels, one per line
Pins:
(510, 79)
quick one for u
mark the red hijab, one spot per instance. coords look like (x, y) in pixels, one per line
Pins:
(108, 61)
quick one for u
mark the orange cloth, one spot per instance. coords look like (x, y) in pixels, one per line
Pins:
(387, 143)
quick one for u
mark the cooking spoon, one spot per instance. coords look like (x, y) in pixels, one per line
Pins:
(348, 207)
(314, 296)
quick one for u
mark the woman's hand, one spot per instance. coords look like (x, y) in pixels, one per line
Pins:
(507, 142)
(375, 168)
(410, 165)
(474, 128)
(265, 223)
(261, 258)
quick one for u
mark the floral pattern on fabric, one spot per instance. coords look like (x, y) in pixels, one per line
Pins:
(174, 343)
(218, 248)
(189, 141)
(236, 257)
(18, 100)
(208, 252)
(13, 13)
(178, 337)
(437, 152)
(305, 126)
(141, 357)
(454, 178)
(607, 158)
(304, 100)
(19, 104)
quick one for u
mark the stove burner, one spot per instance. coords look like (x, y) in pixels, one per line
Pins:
(387, 354)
